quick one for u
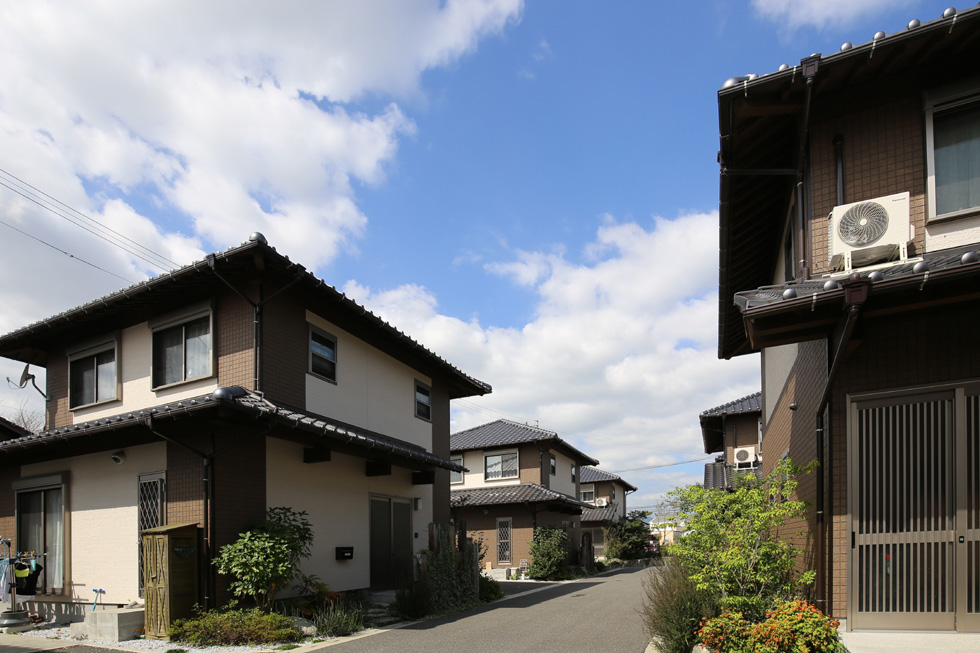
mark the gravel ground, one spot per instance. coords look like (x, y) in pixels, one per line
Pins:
(51, 631)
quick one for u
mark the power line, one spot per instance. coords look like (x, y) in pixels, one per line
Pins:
(87, 223)
(639, 469)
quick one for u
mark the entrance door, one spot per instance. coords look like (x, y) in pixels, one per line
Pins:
(391, 543)
(914, 526)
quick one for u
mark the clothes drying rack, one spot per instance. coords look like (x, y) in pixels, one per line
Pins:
(13, 619)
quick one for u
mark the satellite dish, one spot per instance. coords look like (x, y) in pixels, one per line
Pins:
(26, 376)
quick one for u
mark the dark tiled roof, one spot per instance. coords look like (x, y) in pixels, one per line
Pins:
(504, 494)
(10, 430)
(332, 431)
(503, 433)
(594, 475)
(715, 476)
(608, 513)
(199, 279)
(749, 404)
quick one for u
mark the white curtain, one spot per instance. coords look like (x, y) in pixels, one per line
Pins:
(957, 156)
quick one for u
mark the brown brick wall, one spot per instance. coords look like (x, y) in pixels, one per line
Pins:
(440, 447)
(740, 431)
(8, 523)
(285, 339)
(56, 408)
(483, 527)
(883, 155)
(532, 460)
(233, 336)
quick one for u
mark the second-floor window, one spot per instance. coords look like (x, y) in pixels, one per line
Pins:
(456, 477)
(423, 401)
(323, 354)
(587, 493)
(500, 465)
(573, 473)
(182, 352)
(954, 157)
(612, 492)
(92, 376)
(554, 464)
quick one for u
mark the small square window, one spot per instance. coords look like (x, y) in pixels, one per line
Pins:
(456, 477)
(92, 377)
(323, 354)
(423, 401)
(501, 465)
(182, 352)
(554, 465)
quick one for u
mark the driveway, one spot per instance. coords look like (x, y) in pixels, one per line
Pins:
(599, 614)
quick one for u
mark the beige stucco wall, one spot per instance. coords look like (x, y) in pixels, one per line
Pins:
(336, 495)
(102, 528)
(373, 390)
(562, 480)
(135, 357)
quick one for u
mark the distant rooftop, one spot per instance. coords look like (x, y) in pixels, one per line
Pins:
(504, 432)
(596, 475)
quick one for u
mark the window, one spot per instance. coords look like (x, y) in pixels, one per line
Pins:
(323, 354)
(151, 510)
(423, 401)
(612, 492)
(554, 465)
(504, 527)
(501, 465)
(573, 472)
(41, 526)
(92, 376)
(587, 493)
(182, 352)
(456, 477)
(953, 157)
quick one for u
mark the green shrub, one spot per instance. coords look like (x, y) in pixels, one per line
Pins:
(450, 574)
(490, 589)
(264, 560)
(413, 601)
(674, 608)
(628, 539)
(234, 627)
(793, 626)
(339, 619)
(549, 550)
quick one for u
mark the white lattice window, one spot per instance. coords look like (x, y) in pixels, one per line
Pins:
(504, 533)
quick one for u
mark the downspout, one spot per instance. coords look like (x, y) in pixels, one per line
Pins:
(856, 290)
(810, 66)
(256, 316)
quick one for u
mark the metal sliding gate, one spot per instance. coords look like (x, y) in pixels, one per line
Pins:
(914, 479)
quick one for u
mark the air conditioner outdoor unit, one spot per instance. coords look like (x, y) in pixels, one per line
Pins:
(870, 232)
(602, 502)
(744, 456)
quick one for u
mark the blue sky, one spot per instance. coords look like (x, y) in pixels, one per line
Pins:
(530, 189)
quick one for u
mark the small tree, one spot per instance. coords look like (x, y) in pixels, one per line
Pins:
(265, 559)
(628, 539)
(549, 548)
(732, 548)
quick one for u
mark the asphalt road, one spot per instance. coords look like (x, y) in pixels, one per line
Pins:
(594, 615)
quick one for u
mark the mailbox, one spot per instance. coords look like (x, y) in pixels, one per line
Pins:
(345, 553)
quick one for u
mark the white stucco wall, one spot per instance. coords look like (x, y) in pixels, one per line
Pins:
(373, 390)
(135, 356)
(562, 480)
(336, 495)
(953, 233)
(102, 527)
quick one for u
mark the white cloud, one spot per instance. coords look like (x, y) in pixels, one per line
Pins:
(620, 357)
(823, 14)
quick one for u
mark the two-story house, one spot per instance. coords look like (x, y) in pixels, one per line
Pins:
(210, 394)
(519, 477)
(850, 229)
(734, 431)
(606, 493)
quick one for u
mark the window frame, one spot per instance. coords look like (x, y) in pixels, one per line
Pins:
(590, 488)
(24, 486)
(181, 320)
(452, 474)
(573, 474)
(92, 350)
(939, 103)
(418, 402)
(509, 560)
(501, 454)
(554, 464)
(336, 353)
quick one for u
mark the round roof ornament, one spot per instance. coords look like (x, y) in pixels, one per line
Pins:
(789, 293)
(831, 285)
(876, 276)
(783, 67)
(914, 23)
(222, 393)
(878, 36)
(950, 12)
(846, 46)
(256, 236)
(920, 267)
(969, 257)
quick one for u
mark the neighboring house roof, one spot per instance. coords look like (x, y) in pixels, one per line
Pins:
(505, 494)
(713, 419)
(760, 149)
(504, 433)
(335, 434)
(716, 475)
(10, 430)
(596, 475)
(608, 513)
(30, 344)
